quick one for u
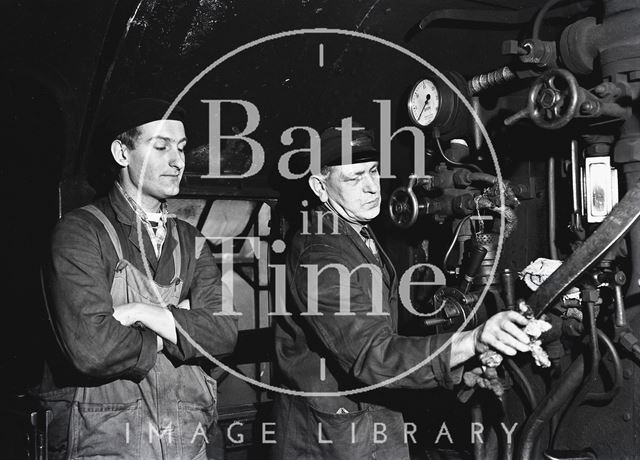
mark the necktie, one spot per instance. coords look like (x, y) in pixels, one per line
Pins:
(371, 244)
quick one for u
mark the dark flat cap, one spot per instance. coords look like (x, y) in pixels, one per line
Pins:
(362, 147)
(134, 113)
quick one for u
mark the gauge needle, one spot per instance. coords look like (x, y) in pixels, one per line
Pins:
(426, 102)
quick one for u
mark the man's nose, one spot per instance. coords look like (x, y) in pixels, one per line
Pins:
(372, 184)
(177, 159)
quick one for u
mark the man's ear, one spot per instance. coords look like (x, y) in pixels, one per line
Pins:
(120, 153)
(319, 187)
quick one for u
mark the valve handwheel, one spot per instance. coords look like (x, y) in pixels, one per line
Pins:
(553, 99)
(403, 207)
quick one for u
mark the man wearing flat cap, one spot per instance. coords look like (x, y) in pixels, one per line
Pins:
(133, 297)
(342, 333)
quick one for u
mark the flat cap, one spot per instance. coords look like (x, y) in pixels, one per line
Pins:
(362, 147)
(134, 113)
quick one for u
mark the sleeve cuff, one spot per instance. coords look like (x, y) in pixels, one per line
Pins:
(175, 350)
(147, 357)
(444, 375)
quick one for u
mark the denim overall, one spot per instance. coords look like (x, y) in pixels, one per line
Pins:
(167, 414)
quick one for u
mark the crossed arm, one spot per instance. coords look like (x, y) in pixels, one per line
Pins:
(93, 335)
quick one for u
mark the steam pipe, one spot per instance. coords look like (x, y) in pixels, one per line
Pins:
(612, 392)
(576, 192)
(507, 448)
(479, 452)
(575, 177)
(498, 16)
(554, 400)
(593, 342)
(551, 188)
(535, 32)
(521, 379)
(620, 313)
(617, 373)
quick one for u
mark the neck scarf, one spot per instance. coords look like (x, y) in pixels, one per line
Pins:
(156, 227)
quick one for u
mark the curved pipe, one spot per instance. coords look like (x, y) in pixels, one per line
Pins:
(599, 397)
(523, 382)
(554, 400)
(537, 23)
(499, 16)
(617, 374)
(487, 16)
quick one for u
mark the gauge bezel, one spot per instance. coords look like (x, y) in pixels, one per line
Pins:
(452, 115)
(409, 104)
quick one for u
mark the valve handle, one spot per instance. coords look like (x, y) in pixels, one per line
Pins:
(552, 101)
(403, 207)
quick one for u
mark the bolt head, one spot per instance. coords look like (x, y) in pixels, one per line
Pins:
(547, 98)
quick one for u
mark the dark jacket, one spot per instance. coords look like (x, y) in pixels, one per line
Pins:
(113, 385)
(83, 264)
(359, 349)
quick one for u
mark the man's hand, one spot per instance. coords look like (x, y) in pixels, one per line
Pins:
(502, 332)
(128, 314)
(158, 319)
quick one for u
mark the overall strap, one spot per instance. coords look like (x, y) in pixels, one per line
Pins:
(108, 227)
(177, 256)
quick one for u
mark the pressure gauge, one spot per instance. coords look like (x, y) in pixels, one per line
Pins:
(424, 102)
(434, 105)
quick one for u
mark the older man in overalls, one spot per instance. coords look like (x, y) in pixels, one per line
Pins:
(134, 294)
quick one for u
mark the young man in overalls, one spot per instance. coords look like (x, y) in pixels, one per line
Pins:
(133, 294)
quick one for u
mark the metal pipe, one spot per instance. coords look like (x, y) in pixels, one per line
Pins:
(499, 16)
(523, 382)
(479, 452)
(551, 191)
(556, 398)
(617, 373)
(535, 33)
(599, 397)
(593, 342)
(478, 138)
(575, 177)
(506, 447)
(620, 313)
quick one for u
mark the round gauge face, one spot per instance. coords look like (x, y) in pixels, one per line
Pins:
(424, 102)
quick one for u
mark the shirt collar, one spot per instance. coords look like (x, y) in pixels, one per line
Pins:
(136, 208)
